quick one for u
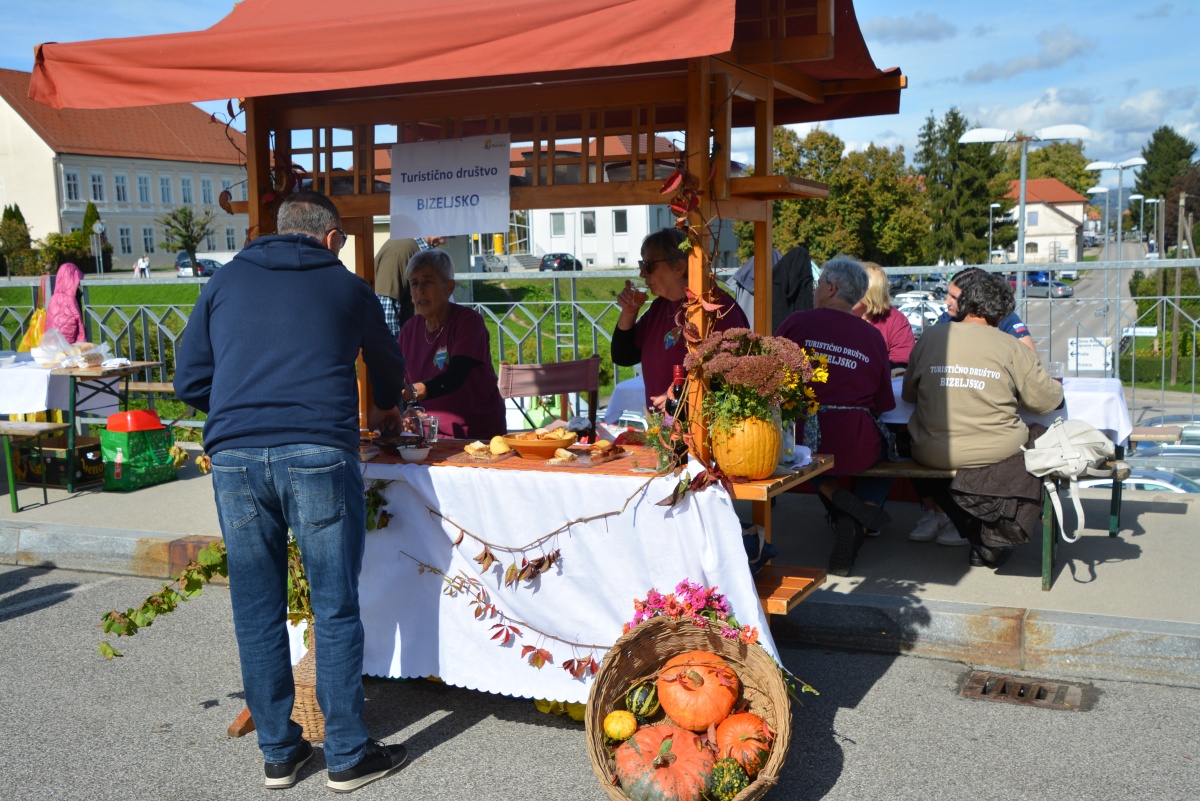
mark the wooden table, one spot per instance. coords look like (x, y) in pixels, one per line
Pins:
(101, 381)
(14, 430)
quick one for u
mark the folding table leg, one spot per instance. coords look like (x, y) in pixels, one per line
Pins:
(1049, 541)
(1114, 511)
(12, 479)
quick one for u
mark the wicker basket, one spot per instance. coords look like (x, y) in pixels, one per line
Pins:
(641, 653)
(305, 709)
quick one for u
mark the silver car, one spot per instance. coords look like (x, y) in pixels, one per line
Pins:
(1049, 289)
(1147, 480)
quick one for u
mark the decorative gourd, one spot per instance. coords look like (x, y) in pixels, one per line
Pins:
(642, 701)
(749, 448)
(697, 689)
(664, 763)
(619, 725)
(747, 738)
(728, 779)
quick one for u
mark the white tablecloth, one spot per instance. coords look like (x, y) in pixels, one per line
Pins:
(1099, 402)
(414, 629)
(627, 395)
(27, 388)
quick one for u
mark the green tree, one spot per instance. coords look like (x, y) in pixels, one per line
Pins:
(1062, 160)
(184, 229)
(1168, 156)
(961, 182)
(90, 217)
(1189, 183)
(15, 244)
(873, 210)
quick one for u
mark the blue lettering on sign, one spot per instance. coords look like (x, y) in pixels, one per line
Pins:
(446, 202)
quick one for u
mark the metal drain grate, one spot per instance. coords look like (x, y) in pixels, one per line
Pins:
(1024, 691)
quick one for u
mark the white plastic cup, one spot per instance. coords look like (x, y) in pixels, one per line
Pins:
(1057, 370)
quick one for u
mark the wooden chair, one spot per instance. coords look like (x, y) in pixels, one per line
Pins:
(553, 378)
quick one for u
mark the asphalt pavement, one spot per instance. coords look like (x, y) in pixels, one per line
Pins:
(152, 725)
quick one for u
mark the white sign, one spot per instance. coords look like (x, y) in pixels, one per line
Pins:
(455, 186)
(1089, 354)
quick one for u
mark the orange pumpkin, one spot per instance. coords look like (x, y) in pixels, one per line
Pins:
(747, 738)
(697, 689)
(664, 763)
(750, 448)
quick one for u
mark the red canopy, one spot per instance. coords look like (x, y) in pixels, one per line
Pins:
(279, 47)
(273, 47)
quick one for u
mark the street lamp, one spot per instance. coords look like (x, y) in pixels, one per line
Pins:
(991, 208)
(1120, 167)
(1154, 225)
(1141, 214)
(1103, 190)
(999, 135)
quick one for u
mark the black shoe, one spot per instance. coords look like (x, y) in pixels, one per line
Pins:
(850, 536)
(283, 775)
(983, 556)
(872, 517)
(379, 761)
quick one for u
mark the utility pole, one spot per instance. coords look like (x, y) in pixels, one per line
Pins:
(1178, 290)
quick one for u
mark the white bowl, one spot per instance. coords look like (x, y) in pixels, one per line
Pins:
(414, 454)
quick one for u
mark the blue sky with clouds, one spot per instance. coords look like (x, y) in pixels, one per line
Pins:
(1121, 67)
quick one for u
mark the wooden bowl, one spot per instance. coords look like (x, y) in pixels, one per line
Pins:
(538, 448)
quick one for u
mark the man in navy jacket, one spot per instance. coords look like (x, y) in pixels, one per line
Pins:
(269, 353)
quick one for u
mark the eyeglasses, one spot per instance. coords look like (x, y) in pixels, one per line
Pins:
(647, 267)
(340, 233)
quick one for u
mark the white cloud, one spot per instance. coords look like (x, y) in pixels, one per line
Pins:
(920, 27)
(1163, 10)
(1144, 112)
(1053, 107)
(1059, 45)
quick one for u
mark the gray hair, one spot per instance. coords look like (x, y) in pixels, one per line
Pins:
(848, 276)
(307, 212)
(431, 259)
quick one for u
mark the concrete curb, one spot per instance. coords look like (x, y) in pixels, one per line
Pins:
(1052, 644)
(150, 554)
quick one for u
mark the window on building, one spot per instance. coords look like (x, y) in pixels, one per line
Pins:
(97, 187)
(164, 190)
(144, 190)
(1030, 247)
(185, 191)
(620, 261)
(226, 184)
(121, 185)
(75, 228)
(125, 240)
(590, 262)
(558, 224)
(245, 190)
(71, 185)
(231, 239)
(620, 221)
(206, 193)
(588, 221)
(147, 240)
(1030, 219)
(210, 242)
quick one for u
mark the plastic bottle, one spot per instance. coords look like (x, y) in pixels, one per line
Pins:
(117, 467)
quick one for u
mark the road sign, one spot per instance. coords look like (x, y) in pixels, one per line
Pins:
(1090, 354)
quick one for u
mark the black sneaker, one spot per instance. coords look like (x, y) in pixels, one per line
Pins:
(379, 761)
(850, 536)
(283, 775)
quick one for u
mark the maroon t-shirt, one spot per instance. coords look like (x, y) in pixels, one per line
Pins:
(859, 375)
(897, 334)
(662, 348)
(475, 410)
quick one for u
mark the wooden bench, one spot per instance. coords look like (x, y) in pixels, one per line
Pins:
(1160, 434)
(910, 470)
(150, 389)
(781, 589)
(11, 431)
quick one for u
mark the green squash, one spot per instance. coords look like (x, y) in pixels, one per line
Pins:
(728, 779)
(642, 701)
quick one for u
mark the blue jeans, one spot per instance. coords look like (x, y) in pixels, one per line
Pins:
(317, 492)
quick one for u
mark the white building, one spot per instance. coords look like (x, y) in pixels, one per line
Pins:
(610, 237)
(1054, 219)
(135, 164)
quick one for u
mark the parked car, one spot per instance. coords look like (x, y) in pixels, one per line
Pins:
(560, 261)
(1148, 480)
(208, 267)
(1072, 275)
(934, 282)
(1183, 460)
(921, 311)
(1049, 289)
(490, 264)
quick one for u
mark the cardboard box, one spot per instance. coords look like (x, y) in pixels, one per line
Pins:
(89, 465)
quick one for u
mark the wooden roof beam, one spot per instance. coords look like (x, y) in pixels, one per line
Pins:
(888, 83)
(792, 81)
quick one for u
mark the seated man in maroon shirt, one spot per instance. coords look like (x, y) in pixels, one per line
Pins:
(655, 339)
(858, 391)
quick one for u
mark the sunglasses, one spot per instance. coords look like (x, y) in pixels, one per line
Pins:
(340, 233)
(647, 267)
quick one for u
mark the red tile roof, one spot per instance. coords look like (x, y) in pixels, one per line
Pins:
(177, 132)
(1045, 190)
